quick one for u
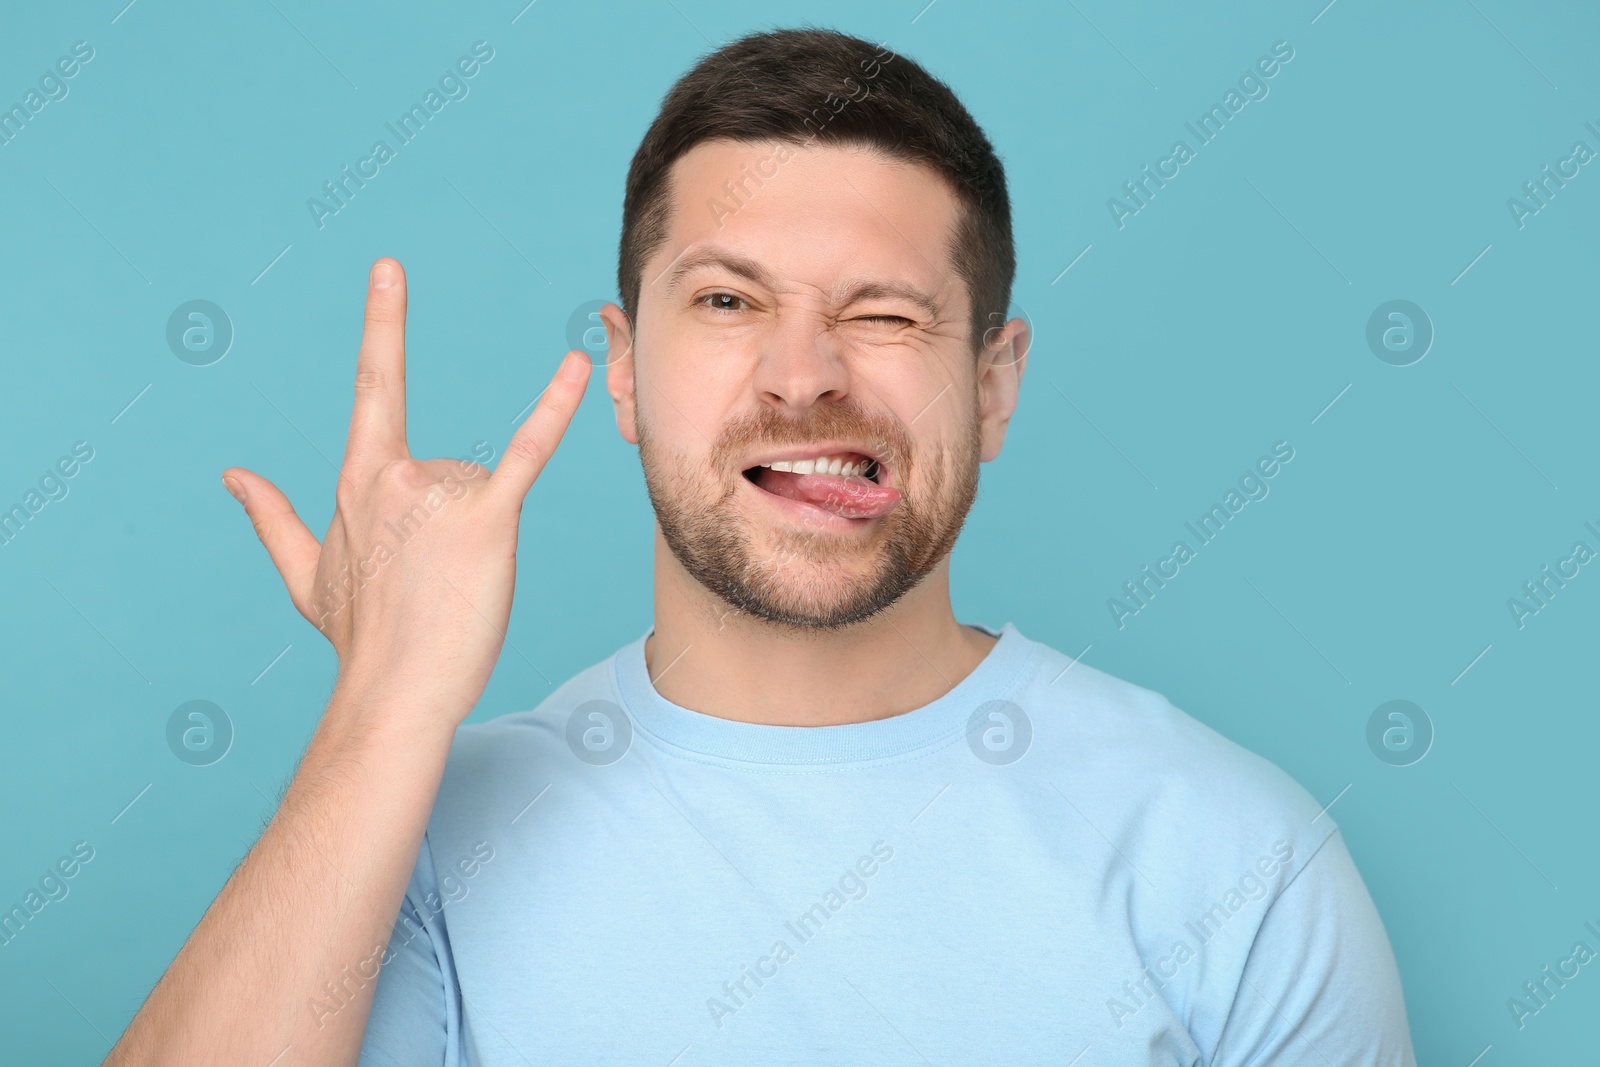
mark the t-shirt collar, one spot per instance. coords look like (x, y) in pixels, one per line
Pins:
(695, 734)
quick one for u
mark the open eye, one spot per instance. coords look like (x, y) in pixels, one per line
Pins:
(714, 301)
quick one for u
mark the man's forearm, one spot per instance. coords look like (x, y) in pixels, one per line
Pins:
(316, 895)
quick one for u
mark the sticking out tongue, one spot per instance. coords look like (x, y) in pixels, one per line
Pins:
(856, 497)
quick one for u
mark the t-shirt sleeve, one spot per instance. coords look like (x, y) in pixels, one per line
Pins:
(413, 1009)
(1319, 987)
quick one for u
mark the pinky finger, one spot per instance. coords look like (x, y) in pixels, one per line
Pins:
(530, 447)
(294, 549)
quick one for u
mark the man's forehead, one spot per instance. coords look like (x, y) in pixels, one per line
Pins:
(834, 217)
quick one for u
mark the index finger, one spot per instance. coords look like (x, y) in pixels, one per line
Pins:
(378, 417)
(530, 447)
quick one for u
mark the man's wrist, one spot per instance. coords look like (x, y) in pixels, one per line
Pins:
(386, 704)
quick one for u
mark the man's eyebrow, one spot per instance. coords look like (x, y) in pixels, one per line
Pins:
(742, 266)
(891, 291)
(745, 267)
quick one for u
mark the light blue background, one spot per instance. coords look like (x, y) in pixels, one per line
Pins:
(1225, 316)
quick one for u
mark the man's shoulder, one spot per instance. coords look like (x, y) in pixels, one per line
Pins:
(1129, 752)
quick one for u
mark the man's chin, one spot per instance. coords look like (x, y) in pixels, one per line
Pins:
(803, 612)
(854, 550)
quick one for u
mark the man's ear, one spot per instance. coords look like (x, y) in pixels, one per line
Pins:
(1000, 365)
(619, 370)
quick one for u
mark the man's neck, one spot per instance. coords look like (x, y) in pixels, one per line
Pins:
(708, 658)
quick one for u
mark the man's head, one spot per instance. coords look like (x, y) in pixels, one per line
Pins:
(816, 261)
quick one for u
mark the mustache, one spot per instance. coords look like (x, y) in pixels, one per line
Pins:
(845, 420)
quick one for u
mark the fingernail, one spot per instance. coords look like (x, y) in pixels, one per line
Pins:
(573, 368)
(234, 487)
(383, 274)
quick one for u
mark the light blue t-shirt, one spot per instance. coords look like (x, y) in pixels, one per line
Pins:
(1046, 865)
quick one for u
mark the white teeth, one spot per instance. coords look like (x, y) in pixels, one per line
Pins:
(834, 465)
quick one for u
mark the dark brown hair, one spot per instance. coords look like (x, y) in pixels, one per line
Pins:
(801, 86)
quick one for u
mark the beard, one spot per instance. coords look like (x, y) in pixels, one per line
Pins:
(820, 579)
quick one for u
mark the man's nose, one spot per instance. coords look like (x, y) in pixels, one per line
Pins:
(800, 361)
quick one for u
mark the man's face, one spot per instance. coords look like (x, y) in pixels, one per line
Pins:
(803, 312)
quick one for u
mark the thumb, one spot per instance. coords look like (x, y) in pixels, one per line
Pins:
(293, 548)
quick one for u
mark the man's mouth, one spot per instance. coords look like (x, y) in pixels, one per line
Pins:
(848, 484)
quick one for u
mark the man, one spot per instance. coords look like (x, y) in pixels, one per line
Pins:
(807, 817)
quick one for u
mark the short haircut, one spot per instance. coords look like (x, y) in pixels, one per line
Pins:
(807, 85)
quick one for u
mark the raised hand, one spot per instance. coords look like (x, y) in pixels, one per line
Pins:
(413, 582)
